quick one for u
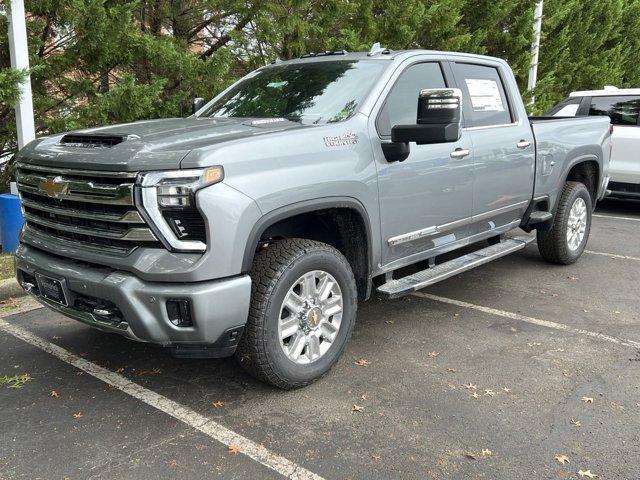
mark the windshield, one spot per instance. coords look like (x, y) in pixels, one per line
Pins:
(311, 93)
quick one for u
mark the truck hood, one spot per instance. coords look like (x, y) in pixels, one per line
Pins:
(145, 145)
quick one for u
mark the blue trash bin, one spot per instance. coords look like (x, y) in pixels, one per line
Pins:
(11, 221)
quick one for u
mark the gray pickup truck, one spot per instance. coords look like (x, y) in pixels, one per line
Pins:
(254, 226)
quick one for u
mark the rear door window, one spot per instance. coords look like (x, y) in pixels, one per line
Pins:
(622, 109)
(485, 100)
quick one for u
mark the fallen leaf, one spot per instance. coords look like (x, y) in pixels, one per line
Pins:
(434, 354)
(576, 423)
(617, 312)
(54, 394)
(78, 415)
(486, 452)
(587, 399)
(217, 404)
(363, 362)
(390, 322)
(375, 456)
(120, 370)
(234, 449)
(488, 391)
(506, 390)
(562, 459)
(475, 395)
(172, 463)
(357, 408)
(470, 386)
(587, 473)
(451, 370)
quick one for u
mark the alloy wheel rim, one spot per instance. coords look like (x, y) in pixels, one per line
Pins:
(310, 317)
(577, 224)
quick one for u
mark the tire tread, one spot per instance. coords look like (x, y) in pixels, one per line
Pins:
(268, 267)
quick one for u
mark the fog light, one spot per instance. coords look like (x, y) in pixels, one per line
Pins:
(179, 312)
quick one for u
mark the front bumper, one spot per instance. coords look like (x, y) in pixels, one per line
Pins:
(219, 308)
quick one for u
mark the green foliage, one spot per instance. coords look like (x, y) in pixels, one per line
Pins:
(14, 381)
(107, 61)
(10, 80)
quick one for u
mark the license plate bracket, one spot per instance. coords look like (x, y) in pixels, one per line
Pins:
(52, 289)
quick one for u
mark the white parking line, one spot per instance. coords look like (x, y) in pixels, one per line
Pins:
(256, 452)
(534, 321)
(633, 219)
(613, 255)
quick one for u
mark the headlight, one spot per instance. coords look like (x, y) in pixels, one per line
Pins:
(168, 199)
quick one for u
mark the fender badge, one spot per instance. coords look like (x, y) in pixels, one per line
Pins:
(343, 140)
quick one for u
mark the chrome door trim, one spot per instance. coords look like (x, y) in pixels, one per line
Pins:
(446, 227)
(411, 236)
(486, 127)
(501, 210)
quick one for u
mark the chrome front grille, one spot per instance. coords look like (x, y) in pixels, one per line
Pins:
(89, 208)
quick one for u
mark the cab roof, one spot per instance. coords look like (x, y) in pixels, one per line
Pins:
(607, 91)
(380, 54)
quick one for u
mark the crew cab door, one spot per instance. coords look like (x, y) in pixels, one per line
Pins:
(425, 200)
(503, 144)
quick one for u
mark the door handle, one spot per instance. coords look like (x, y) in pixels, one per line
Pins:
(522, 144)
(460, 153)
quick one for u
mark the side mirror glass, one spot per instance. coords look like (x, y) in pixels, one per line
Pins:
(439, 116)
(197, 104)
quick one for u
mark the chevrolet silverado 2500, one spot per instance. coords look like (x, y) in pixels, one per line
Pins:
(254, 226)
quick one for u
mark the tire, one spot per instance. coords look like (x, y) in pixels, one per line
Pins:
(555, 245)
(274, 275)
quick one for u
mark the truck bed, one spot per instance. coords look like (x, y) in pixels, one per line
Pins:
(560, 141)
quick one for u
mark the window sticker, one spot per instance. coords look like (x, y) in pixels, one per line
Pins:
(485, 95)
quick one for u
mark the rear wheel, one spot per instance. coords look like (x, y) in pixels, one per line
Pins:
(303, 308)
(568, 237)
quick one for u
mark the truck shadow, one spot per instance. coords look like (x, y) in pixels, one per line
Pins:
(612, 206)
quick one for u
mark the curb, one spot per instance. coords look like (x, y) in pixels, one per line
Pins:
(10, 288)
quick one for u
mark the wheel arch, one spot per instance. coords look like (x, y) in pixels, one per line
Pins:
(585, 169)
(345, 216)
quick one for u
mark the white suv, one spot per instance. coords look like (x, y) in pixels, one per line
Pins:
(622, 105)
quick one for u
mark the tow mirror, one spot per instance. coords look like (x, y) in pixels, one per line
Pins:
(197, 104)
(439, 115)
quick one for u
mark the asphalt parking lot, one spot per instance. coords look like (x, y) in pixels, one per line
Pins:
(499, 373)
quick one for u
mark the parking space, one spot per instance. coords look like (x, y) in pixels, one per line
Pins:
(537, 361)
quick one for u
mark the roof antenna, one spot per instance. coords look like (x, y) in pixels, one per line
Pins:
(376, 49)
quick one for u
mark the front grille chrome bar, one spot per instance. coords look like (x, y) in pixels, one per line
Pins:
(80, 173)
(131, 216)
(133, 234)
(90, 210)
(76, 190)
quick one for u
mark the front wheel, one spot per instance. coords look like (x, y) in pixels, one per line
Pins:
(567, 239)
(303, 308)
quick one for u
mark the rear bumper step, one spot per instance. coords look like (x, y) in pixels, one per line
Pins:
(411, 283)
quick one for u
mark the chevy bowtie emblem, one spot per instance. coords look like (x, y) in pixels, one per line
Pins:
(54, 187)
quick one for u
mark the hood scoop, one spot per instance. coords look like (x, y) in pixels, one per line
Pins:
(86, 140)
